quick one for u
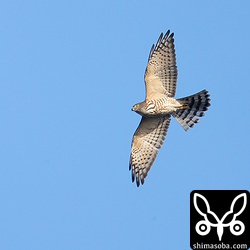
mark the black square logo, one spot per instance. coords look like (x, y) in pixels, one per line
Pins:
(219, 219)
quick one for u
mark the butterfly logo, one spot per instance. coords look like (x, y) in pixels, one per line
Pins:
(203, 227)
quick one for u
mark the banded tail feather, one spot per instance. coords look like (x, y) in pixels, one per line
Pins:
(193, 107)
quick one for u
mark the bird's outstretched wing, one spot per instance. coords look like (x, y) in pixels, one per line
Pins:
(161, 72)
(147, 140)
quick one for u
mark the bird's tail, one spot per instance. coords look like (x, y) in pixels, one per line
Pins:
(192, 107)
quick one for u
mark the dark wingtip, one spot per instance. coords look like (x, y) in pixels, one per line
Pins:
(167, 36)
(142, 181)
(137, 182)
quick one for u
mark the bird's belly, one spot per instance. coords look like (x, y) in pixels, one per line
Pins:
(166, 106)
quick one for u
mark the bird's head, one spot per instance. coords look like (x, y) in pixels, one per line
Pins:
(139, 108)
(136, 107)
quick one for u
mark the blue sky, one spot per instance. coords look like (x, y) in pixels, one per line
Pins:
(70, 72)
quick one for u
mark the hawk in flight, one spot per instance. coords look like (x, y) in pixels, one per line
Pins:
(159, 105)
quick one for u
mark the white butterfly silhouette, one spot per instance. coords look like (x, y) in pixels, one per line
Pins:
(203, 227)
